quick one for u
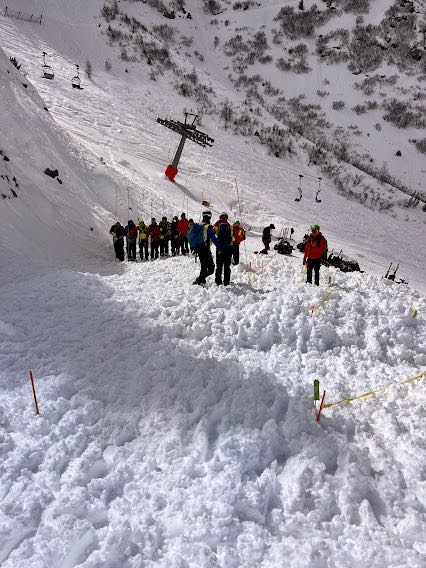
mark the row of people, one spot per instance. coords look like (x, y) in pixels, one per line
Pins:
(185, 236)
(154, 239)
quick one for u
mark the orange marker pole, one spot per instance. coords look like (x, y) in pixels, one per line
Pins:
(34, 392)
(320, 408)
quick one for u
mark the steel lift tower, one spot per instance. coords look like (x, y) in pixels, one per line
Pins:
(188, 131)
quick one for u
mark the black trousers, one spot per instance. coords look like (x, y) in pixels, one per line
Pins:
(313, 264)
(154, 249)
(119, 249)
(223, 264)
(236, 253)
(131, 249)
(207, 264)
(184, 245)
(175, 246)
(143, 248)
(164, 246)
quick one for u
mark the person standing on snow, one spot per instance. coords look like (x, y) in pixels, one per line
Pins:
(316, 247)
(202, 249)
(183, 233)
(132, 236)
(174, 236)
(223, 232)
(238, 236)
(118, 233)
(143, 240)
(267, 238)
(164, 227)
(154, 236)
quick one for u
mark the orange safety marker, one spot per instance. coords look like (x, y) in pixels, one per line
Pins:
(34, 392)
(320, 408)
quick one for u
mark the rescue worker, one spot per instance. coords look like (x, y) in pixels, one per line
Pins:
(223, 232)
(174, 236)
(183, 233)
(118, 233)
(132, 236)
(267, 238)
(238, 236)
(143, 240)
(154, 237)
(316, 247)
(164, 227)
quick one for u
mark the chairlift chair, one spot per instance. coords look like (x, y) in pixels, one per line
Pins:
(76, 81)
(46, 70)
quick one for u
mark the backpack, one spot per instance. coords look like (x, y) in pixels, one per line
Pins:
(196, 236)
(224, 235)
(325, 253)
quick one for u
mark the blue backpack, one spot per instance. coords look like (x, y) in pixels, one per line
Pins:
(196, 236)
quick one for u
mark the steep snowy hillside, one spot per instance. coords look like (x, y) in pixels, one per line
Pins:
(114, 117)
(176, 426)
(45, 218)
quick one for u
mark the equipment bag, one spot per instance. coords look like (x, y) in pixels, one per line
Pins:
(196, 237)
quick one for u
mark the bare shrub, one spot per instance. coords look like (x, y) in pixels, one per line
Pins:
(364, 51)
(420, 145)
(298, 24)
(212, 7)
(403, 115)
(338, 105)
(110, 11)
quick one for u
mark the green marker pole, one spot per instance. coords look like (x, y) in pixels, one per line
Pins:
(316, 391)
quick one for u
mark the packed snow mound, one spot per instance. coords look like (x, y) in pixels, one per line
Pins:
(53, 200)
(181, 431)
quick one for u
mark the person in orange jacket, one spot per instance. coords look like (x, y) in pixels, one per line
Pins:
(182, 226)
(315, 249)
(238, 236)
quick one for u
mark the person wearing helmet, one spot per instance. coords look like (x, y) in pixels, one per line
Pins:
(223, 232)
(315, 249)
(267, 238)
(174, 237)
(203, 248)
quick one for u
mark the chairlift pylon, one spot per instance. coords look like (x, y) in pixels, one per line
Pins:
(76, 81)
(46, 70)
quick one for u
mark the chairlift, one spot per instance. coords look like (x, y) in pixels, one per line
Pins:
(300, 189)
(317, 199)
(76, 81)
(47, 71)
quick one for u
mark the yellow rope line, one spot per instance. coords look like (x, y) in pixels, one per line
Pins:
(326, 297)
(373, 393)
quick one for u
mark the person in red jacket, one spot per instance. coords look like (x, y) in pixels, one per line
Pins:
(182, 226)
(238, 236)
(154, 237)
(315, 248)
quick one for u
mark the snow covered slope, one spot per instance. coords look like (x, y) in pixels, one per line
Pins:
(44, 218)
(176, 426)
